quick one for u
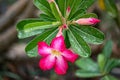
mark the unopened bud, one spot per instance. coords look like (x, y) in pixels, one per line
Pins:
(50, 1)
(87, 21)
(68, 9)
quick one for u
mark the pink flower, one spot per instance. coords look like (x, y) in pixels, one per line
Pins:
(87, 21)
(56, 55)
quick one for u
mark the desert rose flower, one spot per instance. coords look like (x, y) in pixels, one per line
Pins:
(87, 21)
(56, 55)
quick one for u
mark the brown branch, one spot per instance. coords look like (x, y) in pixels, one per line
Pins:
(12, 13)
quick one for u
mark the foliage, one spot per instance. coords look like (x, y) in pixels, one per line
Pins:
(103, 67)
(54, 14)
(109, 6)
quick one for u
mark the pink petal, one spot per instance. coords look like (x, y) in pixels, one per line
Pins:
(46, 63)
(61, 66)
(43, 49)
(69, 55)
(94, 20)
(58, 43)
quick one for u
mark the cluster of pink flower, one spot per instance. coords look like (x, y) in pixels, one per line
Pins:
(56, 55)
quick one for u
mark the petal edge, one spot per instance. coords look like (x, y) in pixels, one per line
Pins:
(58, 43)
(43, 49)
(46, 63)
(69, 55)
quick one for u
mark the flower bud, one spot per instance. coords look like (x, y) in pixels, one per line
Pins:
(50, 1)
(68, 9)
(87, 21)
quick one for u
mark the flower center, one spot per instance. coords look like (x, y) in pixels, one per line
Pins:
(55, 52)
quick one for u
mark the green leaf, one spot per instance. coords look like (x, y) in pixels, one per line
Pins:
(101, 62)
(45, 17)
(47, 36)
(77, 14)
(107, 50)
(55, 10)
(87, 74)
(67, 42)
(78, 44)
(111, 7)
(87, 64)
(27, 28)
(89, 34)
(62, 6)
(89, 15)
(74, 7)
(44, 6)
(109, 77)
(84, 5)
(20, 28)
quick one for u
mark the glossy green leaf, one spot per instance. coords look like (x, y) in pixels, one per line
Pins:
(111, 7)
(45, 17)
(20, 28)
(55, 10)
(27, 28)
(47, 36)
(84, 5)
(109, 77)
(78, 44)
(44, 6)
(89, 15)
(89, 34)
(87, 74)
(62, 6)
(67, 42)
(107, 50)
(87, 64)
(77, 14)
(75, 6)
